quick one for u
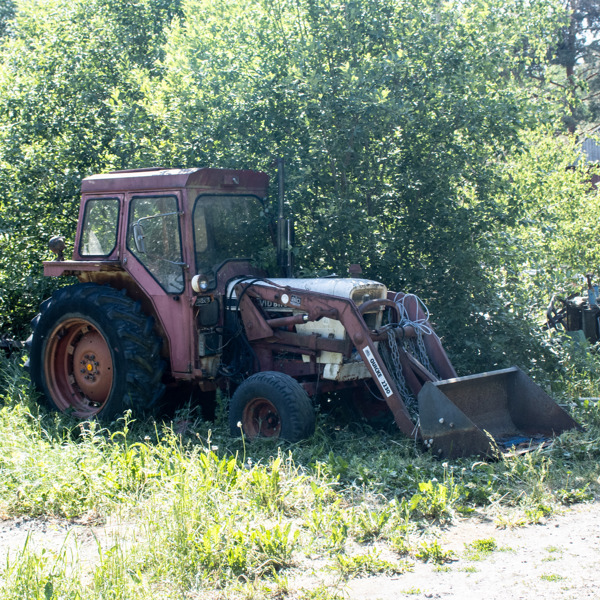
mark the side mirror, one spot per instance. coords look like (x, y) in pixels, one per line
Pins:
(138, 238)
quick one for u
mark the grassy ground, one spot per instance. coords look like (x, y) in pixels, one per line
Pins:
(209, 516)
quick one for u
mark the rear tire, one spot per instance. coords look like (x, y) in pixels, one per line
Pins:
(273, 405)
(95, 354)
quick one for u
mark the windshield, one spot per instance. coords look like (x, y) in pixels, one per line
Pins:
(229, 227)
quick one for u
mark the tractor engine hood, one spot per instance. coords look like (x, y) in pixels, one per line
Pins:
(358, 290)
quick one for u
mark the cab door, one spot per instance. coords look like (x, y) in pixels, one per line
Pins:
(155, 261)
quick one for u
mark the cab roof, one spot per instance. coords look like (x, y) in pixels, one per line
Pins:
(156, 179)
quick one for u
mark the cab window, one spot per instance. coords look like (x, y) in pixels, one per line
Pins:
(154, 238)
(100, 226)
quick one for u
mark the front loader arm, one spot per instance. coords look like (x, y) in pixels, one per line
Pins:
(312, 306)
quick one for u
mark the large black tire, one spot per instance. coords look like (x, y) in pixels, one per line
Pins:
(95, 354)
(272, 404)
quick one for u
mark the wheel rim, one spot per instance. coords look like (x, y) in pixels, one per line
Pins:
(78, 368)
(261, 419)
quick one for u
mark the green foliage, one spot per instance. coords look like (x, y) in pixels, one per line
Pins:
(391, 115)
(7, 13)
(62, 70)
(433, 552)
(322, 592)
(574, 495)
(551, 577)
(414, 147)
(575, 79)
(480, 549)
(395, 119)
(370, 524)
(365, 565)
(434, 500)
(44, 575)
(191, 514)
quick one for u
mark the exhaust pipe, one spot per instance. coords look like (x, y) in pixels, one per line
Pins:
(285, 229)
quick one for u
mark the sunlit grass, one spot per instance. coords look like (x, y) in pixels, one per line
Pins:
(200, 514)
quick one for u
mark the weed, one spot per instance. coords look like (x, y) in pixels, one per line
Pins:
(205, 519)
(400, 543)
(574, 495)
(480, 549)
(442, 568)
(369, 524)
(553, 552)
(118, 577)
(434, 500)
(15, 386)
(274, 545)
(433, 552)
(265, 485)
(364, 565)
(329, 526)
(321, 592)
(535, 514)
(43, 575)
(510, 521)
(551, 577)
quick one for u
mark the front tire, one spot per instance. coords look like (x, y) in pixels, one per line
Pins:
(95, 354)
(274, 405)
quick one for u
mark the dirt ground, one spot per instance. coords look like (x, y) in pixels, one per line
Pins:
(559, 559)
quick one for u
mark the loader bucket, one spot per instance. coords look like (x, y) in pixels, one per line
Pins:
(481, 414)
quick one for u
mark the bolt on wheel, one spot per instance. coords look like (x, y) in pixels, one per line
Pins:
(261, 419)
(78, 367)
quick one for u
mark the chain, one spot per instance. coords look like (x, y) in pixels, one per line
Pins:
(417, 348)
(390, 354)
(390, 351)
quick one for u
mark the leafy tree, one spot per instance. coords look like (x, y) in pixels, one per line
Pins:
(393, 117)
(575, 81)
(552, 243)
(61, 71)
(396, 117)
(7, 13)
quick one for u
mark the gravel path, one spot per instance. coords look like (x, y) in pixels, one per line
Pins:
(557, 560)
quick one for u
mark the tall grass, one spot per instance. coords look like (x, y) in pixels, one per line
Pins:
(201, 515)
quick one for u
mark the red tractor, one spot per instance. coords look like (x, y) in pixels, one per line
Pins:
(171, 296)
